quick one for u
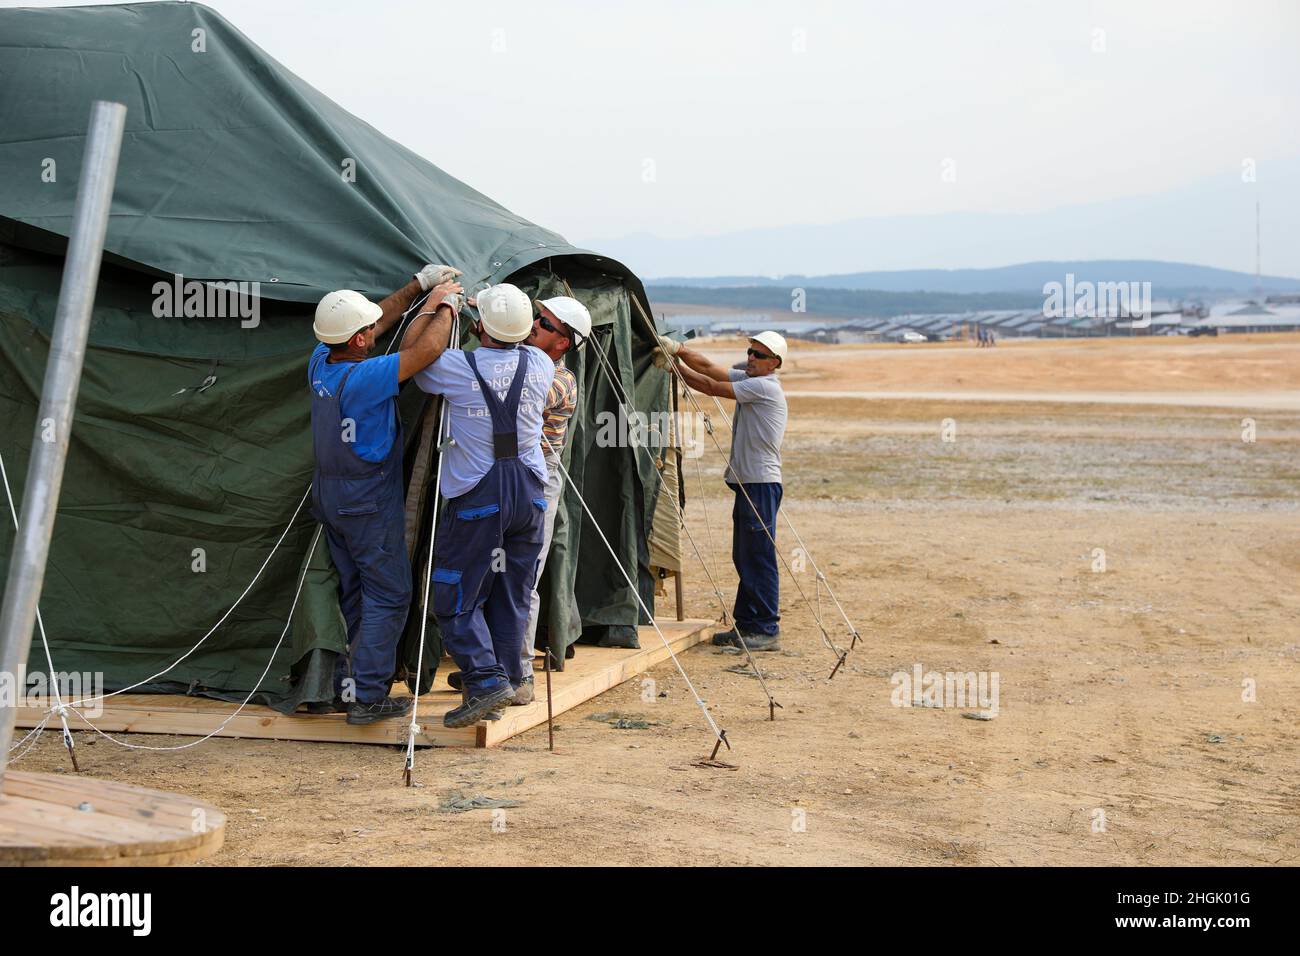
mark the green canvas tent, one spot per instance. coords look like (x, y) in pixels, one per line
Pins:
(191, 448)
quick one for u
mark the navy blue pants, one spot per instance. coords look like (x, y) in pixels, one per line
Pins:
(369, 551)
(758, 595)
(485, 567)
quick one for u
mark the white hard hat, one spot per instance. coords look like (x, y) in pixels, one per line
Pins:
(571, 312)
(774, 341)
(342, 315)
(506, 312)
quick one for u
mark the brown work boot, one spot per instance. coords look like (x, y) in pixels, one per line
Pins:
(523, 693)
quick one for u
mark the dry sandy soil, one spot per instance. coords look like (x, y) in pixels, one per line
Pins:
(1125, 730)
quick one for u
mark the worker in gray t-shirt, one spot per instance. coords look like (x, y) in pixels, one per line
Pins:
(753, 474)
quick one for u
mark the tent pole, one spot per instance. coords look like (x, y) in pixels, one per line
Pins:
(681, 496)
(58, 399)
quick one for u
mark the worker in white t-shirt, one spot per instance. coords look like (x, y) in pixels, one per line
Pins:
(753, 474)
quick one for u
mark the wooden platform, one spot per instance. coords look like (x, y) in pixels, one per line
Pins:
(49, 819)
(592, 671)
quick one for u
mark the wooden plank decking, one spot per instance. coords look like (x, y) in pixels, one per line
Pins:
(591, 672)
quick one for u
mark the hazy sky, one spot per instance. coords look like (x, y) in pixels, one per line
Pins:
(743, 115)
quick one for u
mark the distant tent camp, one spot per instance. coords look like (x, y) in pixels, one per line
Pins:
(191, 447)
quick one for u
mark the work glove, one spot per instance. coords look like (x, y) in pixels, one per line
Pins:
(670, 346)
(454, 301)
(662, 359)
(432, 275)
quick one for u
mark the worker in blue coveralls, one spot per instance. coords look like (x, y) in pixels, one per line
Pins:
(494, 478)
(357, 492)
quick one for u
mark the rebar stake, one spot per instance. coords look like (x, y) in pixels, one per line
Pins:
(722, 739)
(550, 714)
(838, 664)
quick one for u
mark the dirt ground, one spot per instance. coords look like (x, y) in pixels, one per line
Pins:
(1128, 571)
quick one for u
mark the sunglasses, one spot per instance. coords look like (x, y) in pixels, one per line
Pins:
(755, 353)
(572, 336)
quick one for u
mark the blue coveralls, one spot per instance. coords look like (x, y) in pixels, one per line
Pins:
(362, 506)
(486, 551)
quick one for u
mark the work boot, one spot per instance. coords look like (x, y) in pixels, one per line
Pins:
(523, 693)
(761, 642)
(725, 638)
(456, 680)
(359, 713)
(477, 707)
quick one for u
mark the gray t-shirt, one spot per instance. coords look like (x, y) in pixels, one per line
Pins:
(757, 429)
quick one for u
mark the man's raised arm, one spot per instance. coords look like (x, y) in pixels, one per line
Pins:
(703, 383)
(429, 334)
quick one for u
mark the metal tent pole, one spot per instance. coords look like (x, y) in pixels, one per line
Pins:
(58, 398)
(681, 499)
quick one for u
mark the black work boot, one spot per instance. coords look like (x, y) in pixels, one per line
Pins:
(476, 708)
(761, 642)
(725, 638)
(456, 680)
(389, 707)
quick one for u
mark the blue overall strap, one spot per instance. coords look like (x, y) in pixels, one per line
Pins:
(343, 383)
(333, 458)
(505, 417)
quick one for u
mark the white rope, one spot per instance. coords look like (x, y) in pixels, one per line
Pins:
(31, 733)
(704, 708)
(82, 701)
(708, 528)
(266, 670)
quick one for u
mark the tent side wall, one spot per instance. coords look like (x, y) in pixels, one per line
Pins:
(174, 493)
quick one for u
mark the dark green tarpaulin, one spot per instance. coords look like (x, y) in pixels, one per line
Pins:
(191, 436)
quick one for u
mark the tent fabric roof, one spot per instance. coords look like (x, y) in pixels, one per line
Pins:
(191, 431)
(232, 167)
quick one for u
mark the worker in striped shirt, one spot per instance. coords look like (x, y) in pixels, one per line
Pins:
(562, 325)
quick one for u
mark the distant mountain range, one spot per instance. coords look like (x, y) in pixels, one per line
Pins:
(839, 303)
(1212, 220)
(1006, 284)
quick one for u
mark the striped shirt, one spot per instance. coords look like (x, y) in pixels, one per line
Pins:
(561, 401)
